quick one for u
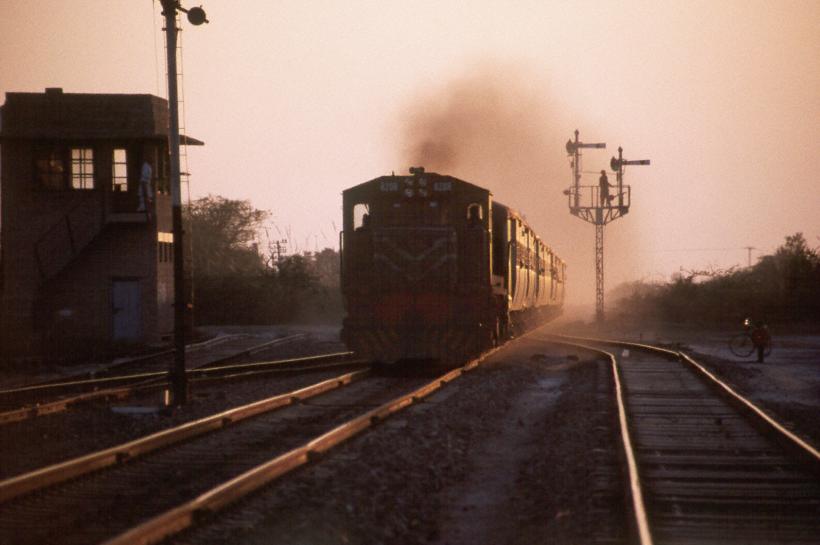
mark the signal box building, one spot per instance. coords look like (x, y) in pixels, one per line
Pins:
(87, 255)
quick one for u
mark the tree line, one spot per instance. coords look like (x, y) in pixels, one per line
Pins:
(235, 281)
(783, 287)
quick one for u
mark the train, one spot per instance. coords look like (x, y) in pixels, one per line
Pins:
(433, 268)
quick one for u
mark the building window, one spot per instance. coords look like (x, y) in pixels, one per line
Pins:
(82, 168)
(50, 167)
(165, 247)
(162, 175)
(119, 172)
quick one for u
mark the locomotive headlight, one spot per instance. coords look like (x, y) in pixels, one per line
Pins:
(408, 191)
(422, 192)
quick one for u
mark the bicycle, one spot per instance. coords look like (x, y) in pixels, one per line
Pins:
(753, 338)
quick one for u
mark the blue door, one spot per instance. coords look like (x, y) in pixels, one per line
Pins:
(127, 311)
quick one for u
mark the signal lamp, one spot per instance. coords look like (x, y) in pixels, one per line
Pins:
(196, 16)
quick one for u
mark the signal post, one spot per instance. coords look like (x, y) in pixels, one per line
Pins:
(176, 372)
(587, 203)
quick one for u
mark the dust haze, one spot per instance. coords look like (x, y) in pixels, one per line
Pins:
(497, 127)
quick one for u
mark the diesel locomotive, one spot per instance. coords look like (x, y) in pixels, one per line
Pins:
(433, 268)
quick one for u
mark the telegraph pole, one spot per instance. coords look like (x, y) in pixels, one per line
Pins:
(176, 373)
(749, 249)
(587, 203)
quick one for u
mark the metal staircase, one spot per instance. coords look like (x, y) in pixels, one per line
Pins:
(69, 235)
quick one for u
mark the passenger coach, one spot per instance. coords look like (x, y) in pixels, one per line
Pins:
(433, 268)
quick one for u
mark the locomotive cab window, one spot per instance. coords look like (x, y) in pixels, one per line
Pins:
(475, 213)
(361, 216)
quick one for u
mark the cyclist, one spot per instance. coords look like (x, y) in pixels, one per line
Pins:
(761, 338)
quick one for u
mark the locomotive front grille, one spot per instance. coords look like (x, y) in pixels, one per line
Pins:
(415, 259)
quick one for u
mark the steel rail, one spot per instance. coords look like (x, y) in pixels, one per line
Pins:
(624, 344)
(240, 373)
(803, 445)
(638, 504)
(81, 382)
(159, 374)
(225, 371)
(61, 405)
(271, 364)
(796, 440)
(57, 473)
(150, 374)
(125, 361)
(51, 384)
(193, 347)
(347, 366)
(256, 349)
(186, 515)
(634, 480)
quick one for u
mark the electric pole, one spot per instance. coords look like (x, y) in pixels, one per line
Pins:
(593, 204)
(280, 247)
(749, 249)
(177, 377)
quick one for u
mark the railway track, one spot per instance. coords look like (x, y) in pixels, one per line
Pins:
(208, 470)
(218, 351)
(705, 464)
(39, 400)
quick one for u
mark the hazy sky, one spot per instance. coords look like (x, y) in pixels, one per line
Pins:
(298, 100)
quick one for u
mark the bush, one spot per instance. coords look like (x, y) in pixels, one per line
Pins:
(233, 283)
(783, 287)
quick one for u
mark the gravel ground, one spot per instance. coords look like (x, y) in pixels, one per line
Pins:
(92, 509)
(518, 451)
(31, 444)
